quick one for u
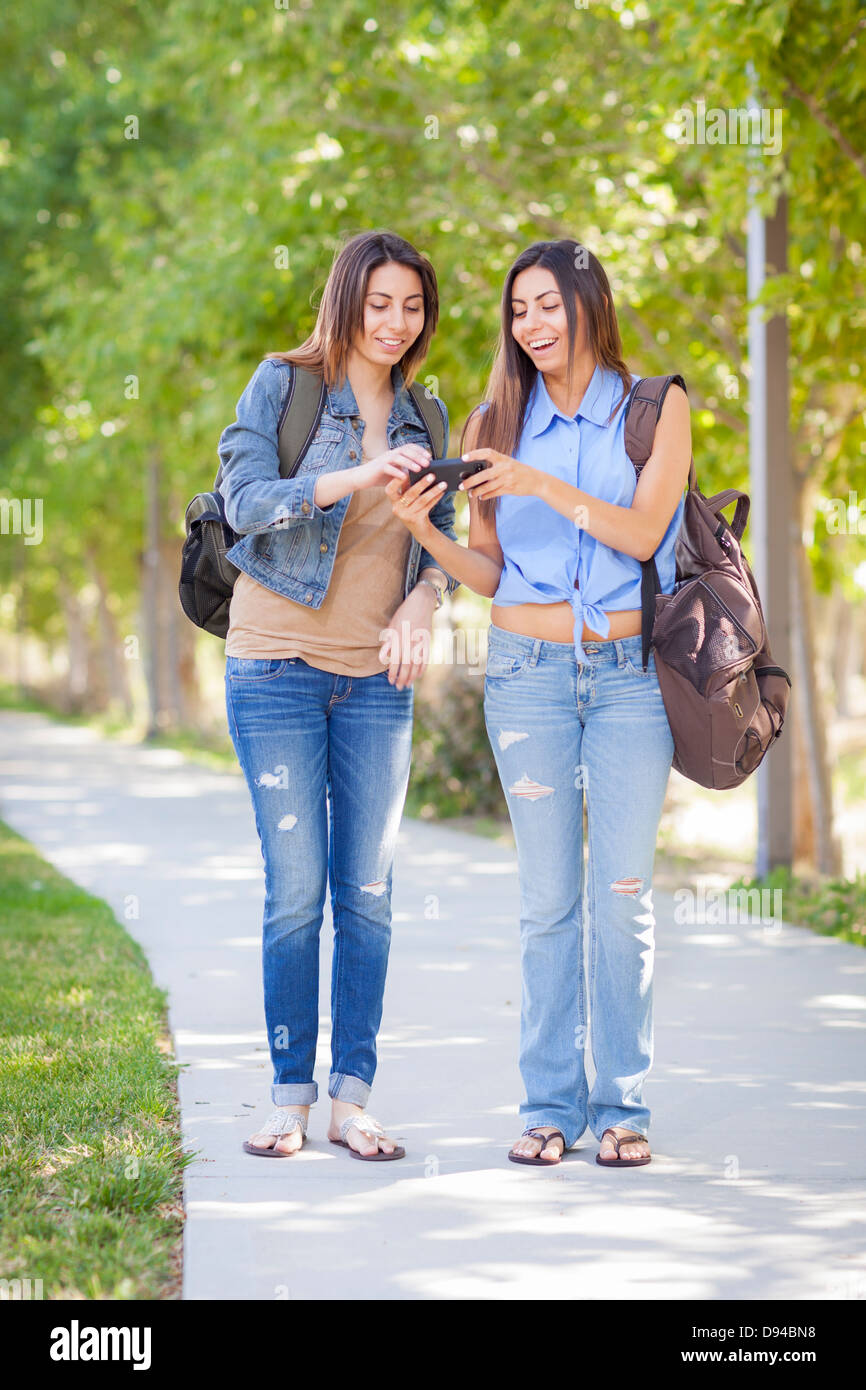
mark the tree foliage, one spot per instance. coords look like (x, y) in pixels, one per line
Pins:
(176, 176)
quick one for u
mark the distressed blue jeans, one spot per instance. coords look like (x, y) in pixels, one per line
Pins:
(559, 732)
(308, 740)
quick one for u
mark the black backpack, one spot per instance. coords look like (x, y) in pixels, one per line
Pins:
(207, 577)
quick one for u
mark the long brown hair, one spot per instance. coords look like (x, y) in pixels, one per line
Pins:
(341, 311)
(579, 275)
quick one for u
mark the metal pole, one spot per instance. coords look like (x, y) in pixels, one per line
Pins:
(770, 490)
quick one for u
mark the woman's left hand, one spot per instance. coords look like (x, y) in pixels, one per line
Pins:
(503, 476)
(412, 504)
(406, 641)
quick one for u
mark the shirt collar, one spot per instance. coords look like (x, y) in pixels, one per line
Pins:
(341, 399)
(596, 405)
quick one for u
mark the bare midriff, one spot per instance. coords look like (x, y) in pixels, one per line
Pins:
(554, 622)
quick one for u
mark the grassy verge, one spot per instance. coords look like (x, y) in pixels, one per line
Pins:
(90, 1153)
(834, 907)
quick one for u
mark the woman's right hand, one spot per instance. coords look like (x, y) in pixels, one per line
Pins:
(395, 463)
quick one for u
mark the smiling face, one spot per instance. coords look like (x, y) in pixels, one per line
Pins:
(539, 324)
(393, 313)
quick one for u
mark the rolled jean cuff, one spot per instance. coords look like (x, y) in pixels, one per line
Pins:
(300, 1093)
(351, 1089)
(638, 1128)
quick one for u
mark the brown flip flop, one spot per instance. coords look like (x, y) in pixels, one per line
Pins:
(623, 1162)
(538, 1161)
(282, 1121)
(373, 1130)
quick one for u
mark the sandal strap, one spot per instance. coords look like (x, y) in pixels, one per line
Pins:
(365, 1123)
(534, 1134)
(284, 1121)
(625, 1138)
(557, 1134)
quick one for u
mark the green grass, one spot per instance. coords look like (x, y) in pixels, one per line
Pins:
(833, 907)
(91, 1162)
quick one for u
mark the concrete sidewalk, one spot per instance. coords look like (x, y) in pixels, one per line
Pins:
(758, 1091)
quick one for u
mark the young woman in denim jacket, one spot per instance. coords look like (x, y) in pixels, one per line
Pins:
(322, 652)
(558, 529)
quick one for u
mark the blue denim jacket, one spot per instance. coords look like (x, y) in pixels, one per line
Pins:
(287, 542)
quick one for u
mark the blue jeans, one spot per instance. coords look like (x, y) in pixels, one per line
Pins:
(304, 736)
(559, 730)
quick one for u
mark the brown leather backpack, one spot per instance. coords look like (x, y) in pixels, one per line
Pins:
(724, 696)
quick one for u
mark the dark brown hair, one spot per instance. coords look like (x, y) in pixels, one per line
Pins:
(341, 311)
(579, 275)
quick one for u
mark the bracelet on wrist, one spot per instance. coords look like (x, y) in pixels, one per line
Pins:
(438, 591)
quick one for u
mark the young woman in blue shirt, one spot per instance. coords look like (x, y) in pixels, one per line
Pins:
(558, 528)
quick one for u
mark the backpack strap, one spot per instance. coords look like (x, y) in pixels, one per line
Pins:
(303, 411)
(642, 413)
(741, 514)
(300, 418)
(305, 402)
(641, 417)
(432, 417)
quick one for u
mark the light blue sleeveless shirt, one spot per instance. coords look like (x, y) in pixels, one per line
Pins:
(544, 552)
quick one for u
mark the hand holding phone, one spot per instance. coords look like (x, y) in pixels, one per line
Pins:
(451, 472)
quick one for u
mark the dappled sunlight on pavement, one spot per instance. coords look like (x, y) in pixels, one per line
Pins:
(758, 1089)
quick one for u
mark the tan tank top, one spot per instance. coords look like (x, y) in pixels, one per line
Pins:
(366, 588)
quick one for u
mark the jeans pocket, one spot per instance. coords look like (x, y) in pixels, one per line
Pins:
(634, 665)
(254, 668)
(501, 665)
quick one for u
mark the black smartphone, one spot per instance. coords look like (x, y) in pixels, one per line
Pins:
(448, 471)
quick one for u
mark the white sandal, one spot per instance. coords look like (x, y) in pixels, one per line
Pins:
(373, 1131)
(282, 1121)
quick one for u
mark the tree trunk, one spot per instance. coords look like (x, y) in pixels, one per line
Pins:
(808, 703)
(112, 659)
(190, 690)
(76, 637)
(174, 697)
(150, 596)
(804, 849)
(97, 671)
(183, 695)
(841, 619)
(168, 604)
(21, 630)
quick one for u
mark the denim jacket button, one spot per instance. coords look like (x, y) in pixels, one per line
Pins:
(305, 506)
(323, 547)
(308, 596)
(353, 454)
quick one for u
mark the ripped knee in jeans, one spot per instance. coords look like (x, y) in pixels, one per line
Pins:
(627, 887)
